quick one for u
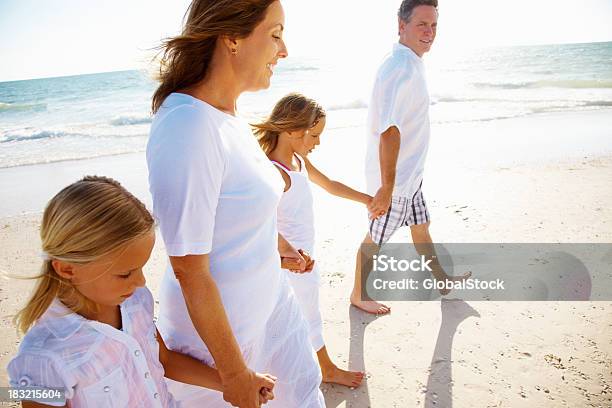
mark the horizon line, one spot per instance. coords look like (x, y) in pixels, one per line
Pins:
(54, 76)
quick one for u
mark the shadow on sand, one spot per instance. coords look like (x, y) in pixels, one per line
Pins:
(439, 391)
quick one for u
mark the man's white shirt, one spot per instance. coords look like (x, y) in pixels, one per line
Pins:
(399, 98)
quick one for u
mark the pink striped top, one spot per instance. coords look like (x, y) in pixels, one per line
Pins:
(98, 365)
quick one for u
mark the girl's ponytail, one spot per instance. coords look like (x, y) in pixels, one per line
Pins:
(267, 135)
(47, 289)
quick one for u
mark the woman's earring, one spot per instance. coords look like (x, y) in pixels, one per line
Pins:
(234, 51)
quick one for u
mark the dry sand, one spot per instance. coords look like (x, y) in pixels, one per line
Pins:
(433, 354)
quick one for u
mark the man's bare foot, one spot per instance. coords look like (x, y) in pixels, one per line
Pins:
(463, 277)
(370, 306)
(337, 376)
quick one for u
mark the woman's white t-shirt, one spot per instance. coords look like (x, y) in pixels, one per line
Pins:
(215, 192)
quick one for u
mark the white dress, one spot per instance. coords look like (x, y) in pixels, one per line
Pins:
(215, 192)
(296, 225)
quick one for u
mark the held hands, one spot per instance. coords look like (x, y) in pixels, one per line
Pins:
(309, 261)
(248, 389)
(297, 262)
(368, 203)
(265, 395)
(380, 203)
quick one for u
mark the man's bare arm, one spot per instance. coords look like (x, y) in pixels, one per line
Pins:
(388, 150)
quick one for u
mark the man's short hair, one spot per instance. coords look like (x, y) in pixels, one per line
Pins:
(405, 10)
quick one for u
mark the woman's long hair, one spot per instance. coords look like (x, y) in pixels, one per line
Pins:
(185, 58)
(82, 223)
(292, 112)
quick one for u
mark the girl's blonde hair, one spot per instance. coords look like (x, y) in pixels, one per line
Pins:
(82, 223)
(292, 112)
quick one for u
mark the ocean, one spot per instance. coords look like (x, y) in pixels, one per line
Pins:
(94, 115)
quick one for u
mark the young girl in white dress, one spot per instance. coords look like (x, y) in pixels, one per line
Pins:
(287, 136)
(89, 323)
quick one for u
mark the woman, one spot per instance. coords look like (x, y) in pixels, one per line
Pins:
(224, 299)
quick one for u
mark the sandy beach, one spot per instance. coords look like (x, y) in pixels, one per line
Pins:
(545, 178)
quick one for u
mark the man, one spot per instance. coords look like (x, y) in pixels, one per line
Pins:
(397, 142)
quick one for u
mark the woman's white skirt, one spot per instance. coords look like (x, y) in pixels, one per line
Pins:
(284, 351)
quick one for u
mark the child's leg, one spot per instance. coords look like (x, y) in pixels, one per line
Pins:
(332, 374)
(307, 293)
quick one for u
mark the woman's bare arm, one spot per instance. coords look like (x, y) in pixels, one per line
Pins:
(241, 386)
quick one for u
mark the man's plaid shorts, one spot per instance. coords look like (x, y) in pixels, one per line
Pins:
(403, 211)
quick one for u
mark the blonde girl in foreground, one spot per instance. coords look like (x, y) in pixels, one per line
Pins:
(89, 324)
(291, 132)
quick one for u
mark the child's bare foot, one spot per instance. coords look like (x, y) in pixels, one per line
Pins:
(337, 376)
(455, 279)
(370, 306)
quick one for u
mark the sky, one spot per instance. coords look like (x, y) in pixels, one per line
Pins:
(41, 38)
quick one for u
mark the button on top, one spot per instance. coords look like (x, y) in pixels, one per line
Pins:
(24, 381)
(137, 353)
(147, 375)
(106, 388)
(156, 395)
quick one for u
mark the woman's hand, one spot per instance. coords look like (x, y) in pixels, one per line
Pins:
(239, 389)
(266, 394)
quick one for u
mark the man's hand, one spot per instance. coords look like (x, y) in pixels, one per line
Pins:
(380, 203)
(248, 389)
